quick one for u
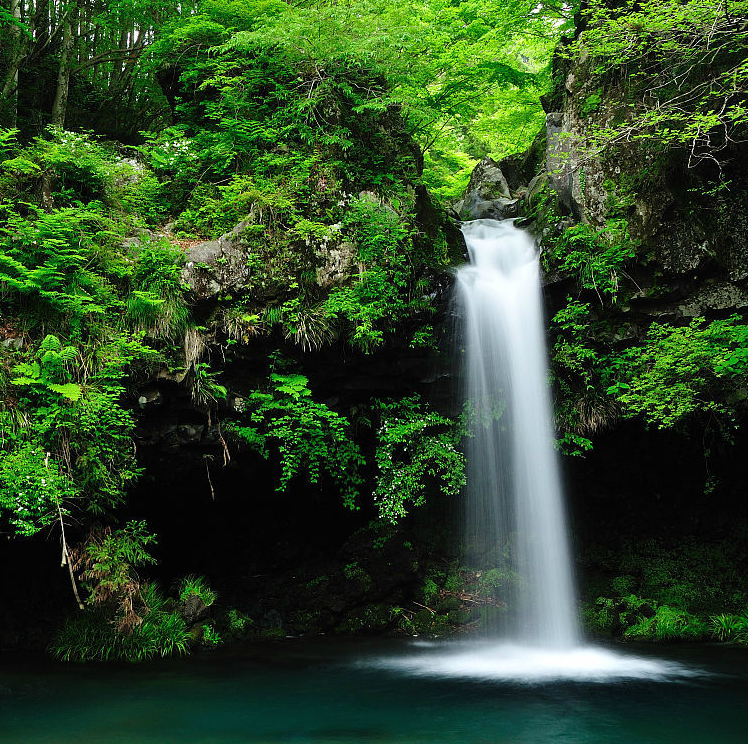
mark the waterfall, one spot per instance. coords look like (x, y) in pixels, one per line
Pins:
(515, 513)
(515, 508)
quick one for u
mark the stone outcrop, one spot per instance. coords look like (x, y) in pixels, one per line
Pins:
(488, 195)
(692, 255)
(218, 266)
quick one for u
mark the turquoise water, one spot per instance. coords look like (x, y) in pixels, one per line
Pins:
(325, 691)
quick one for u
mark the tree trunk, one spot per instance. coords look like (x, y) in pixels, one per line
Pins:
(10, 86)
(59, 108)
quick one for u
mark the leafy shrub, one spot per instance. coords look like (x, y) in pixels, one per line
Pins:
(725, 627)
(310, 438)
(383, 294)
(80, 168)
(108, 560)
(601, 616)
(238, 623)
(196, 586)
(157, 304)
(141, 194)
(211, 637)
(594, 256)
(429, 591)
(416, 448)
(33, 489)
(681, 373)
(668, 624)
(91, 636)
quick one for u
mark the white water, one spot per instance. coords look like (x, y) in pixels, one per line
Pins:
(515, 501)
(513, 476)
(507, 662)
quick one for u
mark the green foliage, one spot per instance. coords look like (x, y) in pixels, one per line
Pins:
(354, 572)
(684, 372)
(50, 373)
(80, 168)
(429, 591)
(141, 194)
(725, 627)
(211, 637)
(157, 303)
(601, 616)
(594, 256)
(55, 262)
(678, 582)
(579, 359)
(206, 391)
(682, 67)
(197, 586)
(591, 103)
(416, 451)
(90, 635)
(668, 624)
(238, 623)
(127, 619)
(384, 292)
(311, 439)
(108, 561)
(33, 490)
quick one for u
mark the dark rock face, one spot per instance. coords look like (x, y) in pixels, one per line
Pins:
(192, 610)
(692, 256)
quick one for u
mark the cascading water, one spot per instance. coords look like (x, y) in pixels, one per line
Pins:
(514, 486)
(515, 508)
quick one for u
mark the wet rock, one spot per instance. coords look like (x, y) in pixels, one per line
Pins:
(189, 433)
(139, 236)
(647, 611)
(714, 296)
(15, 343)
(150, 397)
(683, 247)
(562, 163)
(132, 172)
(177, 376)
(338, 262)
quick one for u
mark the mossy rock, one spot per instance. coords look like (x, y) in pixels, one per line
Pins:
(448, 604)
(460, 617)
(272, 634)
(370, 619)
(492, 617)
(423, 621)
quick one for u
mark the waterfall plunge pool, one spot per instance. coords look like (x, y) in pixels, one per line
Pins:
(336, 691)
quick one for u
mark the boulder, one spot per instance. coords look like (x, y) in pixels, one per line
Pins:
(337, 263)
(218, 266)
(192, 610)
(488, 195)
(150, 397)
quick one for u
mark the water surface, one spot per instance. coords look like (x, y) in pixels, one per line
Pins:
(328, 691)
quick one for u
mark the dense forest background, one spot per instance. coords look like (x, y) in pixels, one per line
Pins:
(229, 386)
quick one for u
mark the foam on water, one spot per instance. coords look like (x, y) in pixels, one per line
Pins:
(507, 662)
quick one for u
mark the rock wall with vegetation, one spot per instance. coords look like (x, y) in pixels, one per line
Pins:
(641, 215)
(223, 274)
(225, 252)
